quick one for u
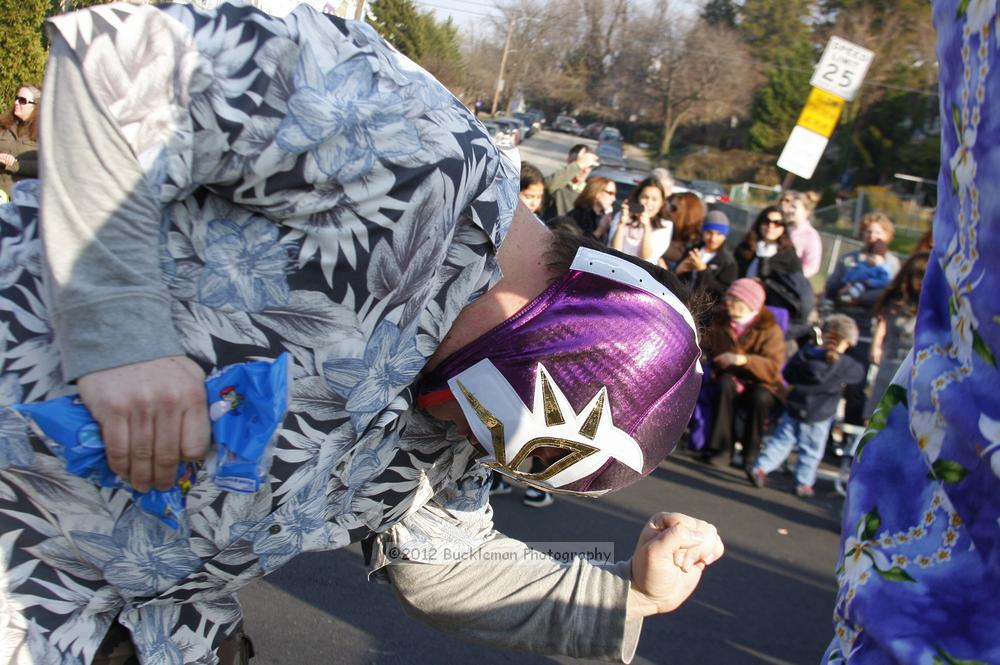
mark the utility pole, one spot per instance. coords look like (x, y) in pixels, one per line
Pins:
(359, 10)
(503, 65)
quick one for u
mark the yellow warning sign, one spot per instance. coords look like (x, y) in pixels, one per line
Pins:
(821, 112)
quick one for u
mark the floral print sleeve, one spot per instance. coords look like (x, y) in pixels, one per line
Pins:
(919, 571)
(320, 195)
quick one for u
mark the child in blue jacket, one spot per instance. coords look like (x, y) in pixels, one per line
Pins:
(816, 376)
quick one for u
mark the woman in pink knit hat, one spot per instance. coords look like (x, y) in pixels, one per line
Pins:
(746, 349)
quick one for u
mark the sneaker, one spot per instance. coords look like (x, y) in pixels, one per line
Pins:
(537, 498)
(756, 477)
(499, 486)
(806, 491)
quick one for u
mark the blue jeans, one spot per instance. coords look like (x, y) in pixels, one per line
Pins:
(810, 439)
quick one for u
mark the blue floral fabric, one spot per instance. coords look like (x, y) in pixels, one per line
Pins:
(920, 547)
(321, 195)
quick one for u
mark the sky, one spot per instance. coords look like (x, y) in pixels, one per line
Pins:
(472, 15)
(467, 14)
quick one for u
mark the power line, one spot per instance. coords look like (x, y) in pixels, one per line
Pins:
(771, 65)
(424, 3)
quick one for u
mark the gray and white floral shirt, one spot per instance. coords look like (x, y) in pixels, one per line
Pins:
(314, 192)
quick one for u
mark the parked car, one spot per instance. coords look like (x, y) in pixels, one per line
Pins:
(593, 130)
(529, 122)
(611, 155)
(537, 116)
(710, 191)
(610, 135)
(568, 124)
(511, 125)
(499, 134)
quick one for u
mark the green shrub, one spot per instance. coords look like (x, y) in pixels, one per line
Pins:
(22, 55)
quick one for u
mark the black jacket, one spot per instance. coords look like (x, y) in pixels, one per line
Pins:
(816, 385)
(784, 283)
(721, 272)
(784, 262)
(587, 220)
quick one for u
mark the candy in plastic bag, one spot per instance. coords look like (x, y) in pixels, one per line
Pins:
(73, 434)
(247, 402)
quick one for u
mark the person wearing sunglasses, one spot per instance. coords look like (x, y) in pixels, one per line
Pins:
(768, 254)
(19, 138)
(373, 232)
(592, 210)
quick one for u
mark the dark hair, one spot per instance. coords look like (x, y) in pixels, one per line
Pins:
(564, 224)
(530, 175)
(687, 211)
(633, 200)
(564, 246)
(926, 242)
(753, 235)
(28, 128)
(595, 185)
(903, 292)
(575, 151)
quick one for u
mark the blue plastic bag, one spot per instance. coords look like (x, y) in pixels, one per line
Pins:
(247, 403)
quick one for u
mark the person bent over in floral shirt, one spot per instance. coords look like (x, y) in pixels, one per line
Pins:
(223, 186)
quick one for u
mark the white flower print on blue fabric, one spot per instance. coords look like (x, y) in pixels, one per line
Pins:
(285, 534)
(390, 363)
(15, 450)
(279, 171)
(344, 120)
(245, 265)
(141, 556)
(155, 626)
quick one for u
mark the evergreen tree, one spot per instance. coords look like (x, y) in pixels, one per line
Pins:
(400, 24)
(778, 103)
(419, 37)
(772, 27)
(720, 13)
(22, 55)
(781, 39)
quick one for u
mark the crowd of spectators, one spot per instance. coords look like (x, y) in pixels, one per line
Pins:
(782, 362)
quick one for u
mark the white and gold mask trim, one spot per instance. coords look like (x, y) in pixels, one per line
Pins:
(509, 431)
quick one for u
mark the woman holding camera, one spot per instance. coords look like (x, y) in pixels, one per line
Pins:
(641, 228)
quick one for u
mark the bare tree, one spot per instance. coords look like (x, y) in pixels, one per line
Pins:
(686, 71)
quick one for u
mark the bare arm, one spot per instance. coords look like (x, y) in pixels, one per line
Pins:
(878, 338)
(618, 237)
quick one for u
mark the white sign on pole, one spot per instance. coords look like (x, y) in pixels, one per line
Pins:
(802, 152)
(842, 68)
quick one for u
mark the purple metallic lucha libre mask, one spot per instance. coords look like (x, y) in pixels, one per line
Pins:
(598, 375)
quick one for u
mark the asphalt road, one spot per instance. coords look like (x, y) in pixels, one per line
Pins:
(769, 600)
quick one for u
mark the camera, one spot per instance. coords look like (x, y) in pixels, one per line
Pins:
(692, 245)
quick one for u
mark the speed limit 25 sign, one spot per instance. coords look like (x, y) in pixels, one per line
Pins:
(842, 68)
